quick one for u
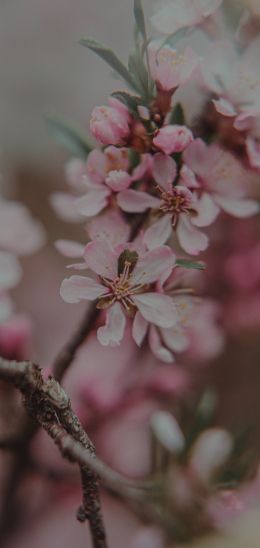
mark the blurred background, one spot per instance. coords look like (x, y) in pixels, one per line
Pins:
(44, 69)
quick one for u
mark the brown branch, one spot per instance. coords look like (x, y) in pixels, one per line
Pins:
(48, 404)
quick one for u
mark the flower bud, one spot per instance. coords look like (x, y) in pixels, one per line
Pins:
(110, 124)
(174, 138)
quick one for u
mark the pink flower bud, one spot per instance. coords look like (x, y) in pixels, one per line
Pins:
(110, 125)
(171, 139)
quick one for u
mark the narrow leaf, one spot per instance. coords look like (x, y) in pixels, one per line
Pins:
(68, 136)
(190, 264)
(139, 17)
(109, 57)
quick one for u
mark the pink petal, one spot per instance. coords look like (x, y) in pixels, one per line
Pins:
(192, 240)
(173, 138)
(156, 308)
(101, 258)
(195, 154)
(238, 208)
(152, 265)
(159, 232)
(93, 202)
(207, 211)
(109, 226)
(157, 348)
(76, 288)
(164, 170)
(118, 180)
(143, 169)
(111, 334)
(96, 166)
(139, 329)
(70, 249)
(188, 178)
(64, 206)
(136, 202)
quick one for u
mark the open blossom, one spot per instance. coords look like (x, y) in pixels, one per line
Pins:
(124, 285)
(221, 178)
(176, 207)
(111, 124)
(169, 68)
(170, 139)
(173, 15)
(95, 181)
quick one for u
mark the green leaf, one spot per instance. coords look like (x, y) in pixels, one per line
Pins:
(190, 264)
(68, 136)
(129, 101)
(177, 115)
(110, 58)
(139, 17)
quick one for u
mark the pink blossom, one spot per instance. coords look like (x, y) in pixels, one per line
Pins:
(123, 287)
(19, 232)
(173, 15)
(253, 151)
(177, 208)
(222, 180)
(169, 68)
(110, 125)
(171, 139)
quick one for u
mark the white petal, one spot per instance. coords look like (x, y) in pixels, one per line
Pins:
(76, 288)
(159, 232)
(112, 332)
(156, 308)
(69, 248)
(139, 329)
(192, 240)
(159, 351)
(136, 202)
(238, 208)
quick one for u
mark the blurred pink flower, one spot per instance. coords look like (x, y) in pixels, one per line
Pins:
(173, 15)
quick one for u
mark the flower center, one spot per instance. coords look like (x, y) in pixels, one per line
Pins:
(121, 289)
(175, 202)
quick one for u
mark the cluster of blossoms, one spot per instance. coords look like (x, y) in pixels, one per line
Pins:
(20, 235)
(155, 167)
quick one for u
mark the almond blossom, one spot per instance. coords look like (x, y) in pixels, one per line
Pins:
(176, 207)
(95, 182)
(170, 68)
(221, 179)
(173, 138)
(124, 284)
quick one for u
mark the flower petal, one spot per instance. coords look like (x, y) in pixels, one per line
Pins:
(207, 211)
(158, 233)
(76, 288)
(156, 308)
(93, 202)
(175, 339)
(164, 171)
(192, 240)
(238, 208)
(111, 334)
(69, 248)
(157, 348)
(136, 202)
(63, 204)
(109, 226)
(139, 329)
(101, 258)
(152, 265)
(118, 180)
